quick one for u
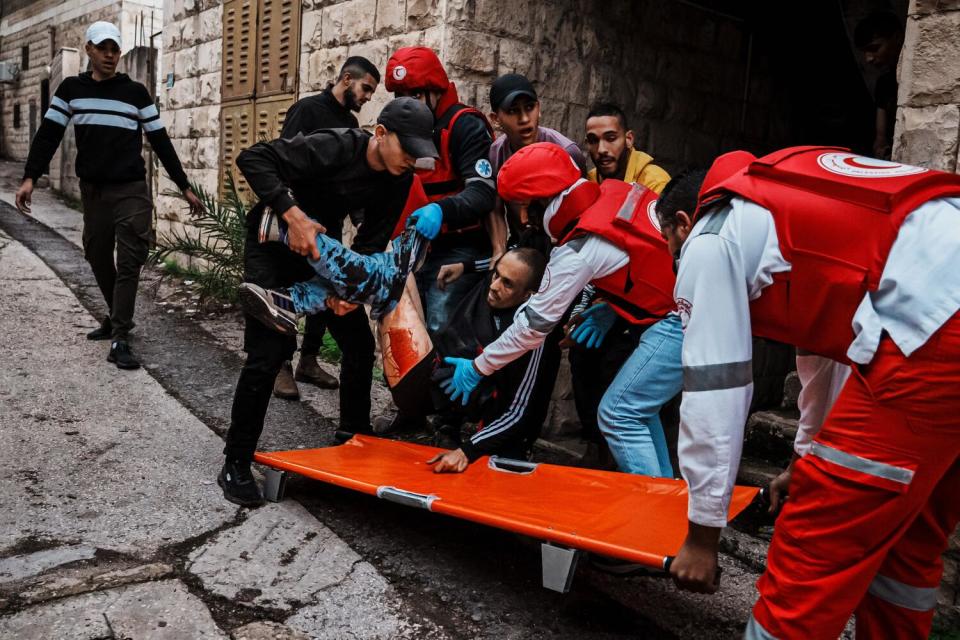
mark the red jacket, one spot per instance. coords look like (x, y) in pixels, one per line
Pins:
(837, 215)
(623, 214)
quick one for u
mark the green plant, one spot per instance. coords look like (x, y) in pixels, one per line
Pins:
(330, 351)
(215, 237)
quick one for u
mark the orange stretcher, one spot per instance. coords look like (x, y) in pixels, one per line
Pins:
(634, 518)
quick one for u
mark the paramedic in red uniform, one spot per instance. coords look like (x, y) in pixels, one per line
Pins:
(460, 186)
(856, 260)
(606, 234)
(461, 189)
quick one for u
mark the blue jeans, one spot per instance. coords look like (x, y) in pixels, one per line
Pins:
(376, 279)
(629, 414)
(439, 304)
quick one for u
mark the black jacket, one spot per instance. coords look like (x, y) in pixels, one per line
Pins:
(330, 166)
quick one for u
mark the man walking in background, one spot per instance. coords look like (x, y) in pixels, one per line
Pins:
(109, 111)
(333, 108)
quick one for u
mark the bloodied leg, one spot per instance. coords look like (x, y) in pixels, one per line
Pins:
(409, 358)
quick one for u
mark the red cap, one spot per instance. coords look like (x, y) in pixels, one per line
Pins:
(412, 68)
(539, 170)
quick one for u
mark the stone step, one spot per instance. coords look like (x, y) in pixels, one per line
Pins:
(769, 435)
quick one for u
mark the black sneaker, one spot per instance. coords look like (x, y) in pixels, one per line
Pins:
(397, 422)
(103, 332)
(238, 484)
(121, 355)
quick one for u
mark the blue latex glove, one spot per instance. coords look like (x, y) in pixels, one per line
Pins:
(597, 321)
(464, 380)
(428, 220)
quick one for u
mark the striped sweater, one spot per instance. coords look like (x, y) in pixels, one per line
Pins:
(108, 117)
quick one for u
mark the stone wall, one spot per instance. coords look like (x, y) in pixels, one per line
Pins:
(190, 109)
(46, 26)
(928, 117)
(682, 86)
(927, 133)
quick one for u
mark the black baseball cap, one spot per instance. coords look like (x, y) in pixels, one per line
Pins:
(412, 121)
(508, 88)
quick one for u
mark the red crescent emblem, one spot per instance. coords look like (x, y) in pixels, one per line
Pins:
(852, 161)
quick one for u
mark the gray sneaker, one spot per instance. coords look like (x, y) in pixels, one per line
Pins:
(272, 307)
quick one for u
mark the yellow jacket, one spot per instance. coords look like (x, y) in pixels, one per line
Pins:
(641, 171)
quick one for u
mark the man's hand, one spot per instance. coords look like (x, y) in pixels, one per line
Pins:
(24, 195)
(779, 487)
(464, 380)
(196, 206)
(449, 273)
(450, 462)
(428, 220)
(339, 306)
(302, 233)
(695, 566)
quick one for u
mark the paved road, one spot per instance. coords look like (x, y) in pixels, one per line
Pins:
(399, 572)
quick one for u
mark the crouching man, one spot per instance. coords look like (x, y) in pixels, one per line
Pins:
(605, 235)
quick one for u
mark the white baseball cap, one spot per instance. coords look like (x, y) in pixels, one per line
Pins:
(100, 31)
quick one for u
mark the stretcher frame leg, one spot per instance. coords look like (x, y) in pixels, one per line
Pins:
(559, 565)
(275, 484)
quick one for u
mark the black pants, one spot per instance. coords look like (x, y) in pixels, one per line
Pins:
(273, 265)
(592, 371)
(117, 216)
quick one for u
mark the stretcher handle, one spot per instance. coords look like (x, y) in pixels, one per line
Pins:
(406, 498)
(668, 562)
(511, 465)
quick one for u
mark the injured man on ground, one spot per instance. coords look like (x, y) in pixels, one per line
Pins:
(510, 406)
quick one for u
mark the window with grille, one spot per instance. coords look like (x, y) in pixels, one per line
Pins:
(16, 116)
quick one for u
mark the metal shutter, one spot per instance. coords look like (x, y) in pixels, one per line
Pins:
(270, 114)
(239, 49)
(237, 132)
(279, 49)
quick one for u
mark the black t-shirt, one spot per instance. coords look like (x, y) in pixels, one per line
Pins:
(330, 167)
(321, 111)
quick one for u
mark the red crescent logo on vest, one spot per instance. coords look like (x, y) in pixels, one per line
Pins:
(652, 214)
(854, 166)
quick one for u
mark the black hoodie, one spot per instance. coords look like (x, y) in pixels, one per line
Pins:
(108, 118)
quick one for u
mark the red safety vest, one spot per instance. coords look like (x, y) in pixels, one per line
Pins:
(623, 214)
(443, 180)
(837, 215)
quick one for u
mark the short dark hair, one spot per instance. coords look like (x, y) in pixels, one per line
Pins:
(357, 67)
(604, 109)
(879, 24)
(535, 261)
(680, 194)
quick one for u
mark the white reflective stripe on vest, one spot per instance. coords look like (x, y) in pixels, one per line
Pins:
(755, 632)
(903, 595)
(863, 465)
